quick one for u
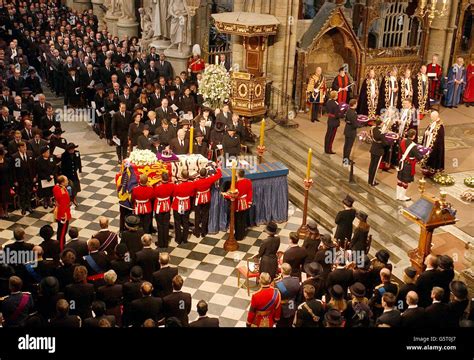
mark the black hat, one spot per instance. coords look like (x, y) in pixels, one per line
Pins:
(121, 249)
(231, 128)
(71, 146)
(220, 126)
(348, 201)
(198, 134)
(382, 256)
(358, 289)
(362, 216)
(341, 69)
(31, 71)
(58, 131)
(185, 122)
(44, 149)
(136, 272)
(26, 90)
(459, 289)
(132, 221)
(312, 226)
(333, 317)
(337, 292)
(327, 241)
(100, 86)
(271, 228)
(46, 232)
(445, 262)
(47, 133)
(155, 138)
(410, 272)
(313, 269)
(365, 264)
(72, 68)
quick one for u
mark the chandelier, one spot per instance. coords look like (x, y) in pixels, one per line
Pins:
(430, 8)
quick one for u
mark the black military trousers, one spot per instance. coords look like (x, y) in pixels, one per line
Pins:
(24, 194)
(181, 226)
(315, 110)
(348, 143)
(201, 214)
(373, 166)
(122, 151)
(61, 233)
(329, 138)
(163, 227)
(146, 221)
(241, 219)
(124, 212)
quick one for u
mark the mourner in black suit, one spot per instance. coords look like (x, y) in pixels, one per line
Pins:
(173, 303)
(391, 315)
(120, 124)
(231, 142)
(427, 280)
(180, 145)
(344, 219)
(164, 67)
(148, 258)
(79, 246)
(81, 292)
(295, 256)
(376, 151)
(437, 314)
(71, 166)
(413, 316)
(162, 279)
(24, 176)
(204, 320)
(146, 307)
(73, 89)
(268, 251)
(334, 116)
(350, 131)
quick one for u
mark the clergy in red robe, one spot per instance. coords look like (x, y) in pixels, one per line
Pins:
(341, 85)
(434, 72)
(469, 91)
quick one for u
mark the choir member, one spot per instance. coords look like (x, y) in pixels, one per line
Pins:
(421, 99)
(406, 86)
(433, 138)
(455, 84)
(389, 89)
(368, 97)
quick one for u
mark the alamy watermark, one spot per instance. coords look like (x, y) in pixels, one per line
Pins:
(245, 162)
(18, 257)
(69, 114)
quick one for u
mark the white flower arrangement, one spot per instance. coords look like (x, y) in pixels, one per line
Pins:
(142, 157)
(215, 86)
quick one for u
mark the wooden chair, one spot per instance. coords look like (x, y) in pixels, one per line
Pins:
(248, 271)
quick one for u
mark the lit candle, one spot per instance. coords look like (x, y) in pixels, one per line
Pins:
(308, 167)
(217, 59)
(234, 168)
(191, 139)
(262, 131)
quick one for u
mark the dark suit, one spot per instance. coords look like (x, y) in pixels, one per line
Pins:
(437, 315)
(93, 322)
(350, 132)
(133, 241)
(73, 90)
(67, 321)
(163, 114)
(391, 318)
(148, 307)
(147, 259)
(83, 295)
(36, 147)
(424, 284)
(162, 281)
(334, 116)
(79, 247)
(413, 318)
(39, 111)
(231, 145)
(165, 70)
(376, 152)
(267, 255)
(296, 257)
(153, 127)
(23, 173)
(205, 321)
(173, 306)
(179, 149)
(344, 219)
(339, 276)
(120, 125)
(402, 294)
(166, 136)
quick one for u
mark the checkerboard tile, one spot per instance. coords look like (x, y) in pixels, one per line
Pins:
(209, 271)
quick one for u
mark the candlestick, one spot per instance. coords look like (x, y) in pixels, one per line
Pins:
(234, 168)
(262, 131)
(191, 139)
(217, 59)
(308, 167)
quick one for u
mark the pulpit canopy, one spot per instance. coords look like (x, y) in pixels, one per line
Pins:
(246, 24)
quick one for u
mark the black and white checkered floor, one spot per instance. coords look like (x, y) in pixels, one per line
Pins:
(209, 271)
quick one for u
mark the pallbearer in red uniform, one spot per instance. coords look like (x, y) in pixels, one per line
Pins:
(265, 306)
(62, 210)
(409, 155)
(162, 194)
(195, 63)
(243, 204)
(341, 84)
(181, 206)
(142, 196)
(434, 72)
(203, 200)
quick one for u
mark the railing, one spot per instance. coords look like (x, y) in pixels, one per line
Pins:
(215, 51)
(281, 107)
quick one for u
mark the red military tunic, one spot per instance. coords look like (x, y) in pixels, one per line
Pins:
(62, 209)
(196, 65)
(265, 308)
(142, 199)
(181, 196)
(162, 193)
(203, 188)
(434, 81)
(244, 199)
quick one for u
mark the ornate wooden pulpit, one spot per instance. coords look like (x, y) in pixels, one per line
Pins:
(430, 213)
(248, 81)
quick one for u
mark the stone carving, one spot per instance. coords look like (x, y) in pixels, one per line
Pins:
(180, 24)
(113, 7)
(146, 23)
(160, 16)
(127, 13)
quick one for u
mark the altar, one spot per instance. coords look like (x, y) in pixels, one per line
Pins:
(270, 197)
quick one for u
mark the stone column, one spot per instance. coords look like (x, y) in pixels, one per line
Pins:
(81, 5)
(111, 17)
(99, 12)
(127, 26)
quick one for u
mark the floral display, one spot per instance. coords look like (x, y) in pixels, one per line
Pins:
(469, 181)
(215, 86)
(467, 195)
(142, 157)
(444, 179)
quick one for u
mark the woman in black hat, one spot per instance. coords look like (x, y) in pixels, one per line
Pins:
(268, 251)
(360, 240)
(46, 169)
(337, 301)
(231, 142)
(311, 241)
(459, 302)
(71, 165)
(343, 220)
(358, 313)
(99, 100)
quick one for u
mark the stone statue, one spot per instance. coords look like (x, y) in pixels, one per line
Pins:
(146, 23)
(161, 24)
(127, 10)
(113, 7)
(180, 26)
